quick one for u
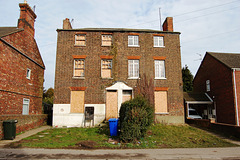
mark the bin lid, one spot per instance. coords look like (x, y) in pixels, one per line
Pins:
(10, 121)
(113, 120)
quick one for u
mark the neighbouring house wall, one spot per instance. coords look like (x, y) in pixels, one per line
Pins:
(14, 86)
(25, 122)
(221, 87)
(95, 92)
(237, 76)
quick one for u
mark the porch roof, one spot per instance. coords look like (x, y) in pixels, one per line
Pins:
(197, 98)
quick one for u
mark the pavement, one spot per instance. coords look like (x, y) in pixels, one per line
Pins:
(230, 153)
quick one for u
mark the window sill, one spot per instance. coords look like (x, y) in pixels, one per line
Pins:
(78, 77)
(159, 46)
(165, 113)
(106, 78)
(133, 78)
(133, 46)
(160, 78)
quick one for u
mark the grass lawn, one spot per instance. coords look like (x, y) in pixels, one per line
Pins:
(158, 136)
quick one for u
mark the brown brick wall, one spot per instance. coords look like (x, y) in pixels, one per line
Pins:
(95, 91)
(221, 85)
(25, 122)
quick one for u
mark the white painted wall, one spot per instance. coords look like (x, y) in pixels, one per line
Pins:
(63, 118)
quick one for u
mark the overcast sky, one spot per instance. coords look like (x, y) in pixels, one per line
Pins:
(205, 25)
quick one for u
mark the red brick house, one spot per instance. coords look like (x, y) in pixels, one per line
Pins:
(219, 77)
(21, 71)
(97, 70)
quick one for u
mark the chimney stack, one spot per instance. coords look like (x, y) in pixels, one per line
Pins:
(27, 18)
(67, 24)
(168, 24)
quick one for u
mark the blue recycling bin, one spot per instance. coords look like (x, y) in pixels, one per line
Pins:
(113, 126)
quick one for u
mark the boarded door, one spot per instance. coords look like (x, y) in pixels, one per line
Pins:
(111, 104)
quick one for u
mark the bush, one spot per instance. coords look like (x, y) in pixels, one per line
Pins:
(135, 117)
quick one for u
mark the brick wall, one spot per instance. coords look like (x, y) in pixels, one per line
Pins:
(221, 85)
(95, 91)
(14, 86)
(25, 122)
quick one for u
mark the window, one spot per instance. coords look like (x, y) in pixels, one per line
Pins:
(207, 85)
(28, 73)
(133, 41)
(133, 68)
(78, 68)
(25, 110)
(106, 71)
(106, 40)
(80, 39)
(158, 41)
(160, 69)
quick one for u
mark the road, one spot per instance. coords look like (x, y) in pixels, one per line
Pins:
(232, 153)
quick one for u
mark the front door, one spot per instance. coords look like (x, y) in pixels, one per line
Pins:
(111, 104)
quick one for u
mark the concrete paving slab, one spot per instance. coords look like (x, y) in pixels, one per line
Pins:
(24, 135)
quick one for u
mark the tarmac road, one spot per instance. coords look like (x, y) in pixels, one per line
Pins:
(232, 153)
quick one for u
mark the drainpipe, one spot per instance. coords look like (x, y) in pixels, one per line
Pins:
(235, 92)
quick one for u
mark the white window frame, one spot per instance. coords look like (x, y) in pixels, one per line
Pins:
(109, 67)
(74, 68)
(158, 41)
(208, 85)
(133, 40)
(160, 69)
(26, 104)
(28, 76)
(134, 65)
(76, 35)
(107, 35)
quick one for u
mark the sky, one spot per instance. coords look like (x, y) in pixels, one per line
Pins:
(205, 25)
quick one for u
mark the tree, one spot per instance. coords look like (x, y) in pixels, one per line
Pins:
(187, 78)
(48, 96)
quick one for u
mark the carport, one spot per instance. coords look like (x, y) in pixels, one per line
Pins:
(201, 102)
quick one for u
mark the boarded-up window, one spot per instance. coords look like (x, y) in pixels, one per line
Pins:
(25, 110)
(127, 95)
(77, 101)
(133, 68)
(106, 40)
(78, 68)
(160, 98)
(106, 71)
(80, 39)
(160, 69)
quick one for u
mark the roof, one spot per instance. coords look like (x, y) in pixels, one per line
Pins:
(4, 31)
(231, 60)
(192, 97)
(117, 30)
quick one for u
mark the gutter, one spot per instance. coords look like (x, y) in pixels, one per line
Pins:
(235, 95)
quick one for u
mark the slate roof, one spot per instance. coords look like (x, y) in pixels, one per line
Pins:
(196, 97)
(4, 31)
(231, 60)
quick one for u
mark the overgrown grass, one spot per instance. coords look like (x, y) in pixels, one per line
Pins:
(158, 136)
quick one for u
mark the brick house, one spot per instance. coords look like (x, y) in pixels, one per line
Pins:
(97, 69)
(219, 77)
(21, 71)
